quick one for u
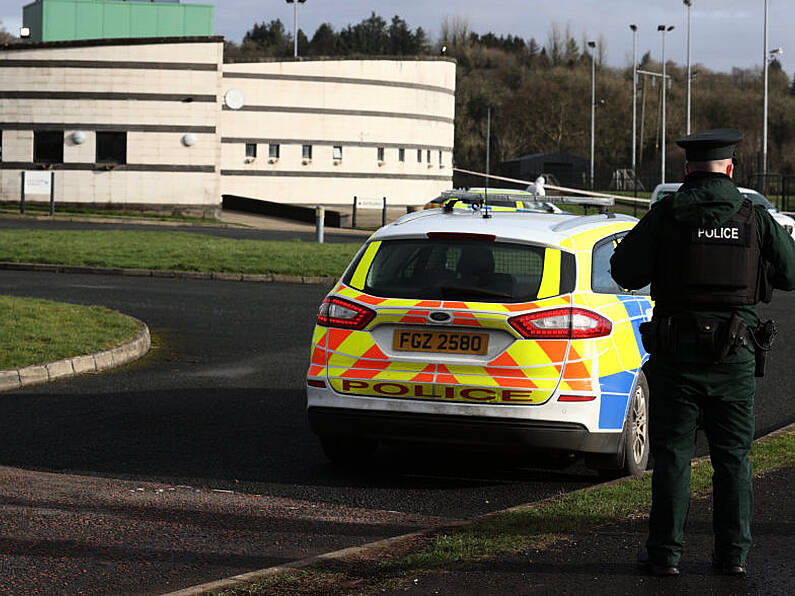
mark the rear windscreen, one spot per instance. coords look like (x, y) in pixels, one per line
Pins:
(467, 270)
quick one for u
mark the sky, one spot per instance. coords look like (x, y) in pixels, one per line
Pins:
(724, 33)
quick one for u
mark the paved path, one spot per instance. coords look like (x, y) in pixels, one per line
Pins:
(603, 562)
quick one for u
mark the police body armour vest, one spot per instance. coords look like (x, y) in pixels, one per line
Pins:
(702, 267)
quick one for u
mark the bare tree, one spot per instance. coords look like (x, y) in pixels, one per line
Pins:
(555, 45)
(455, 32)
(601, 50)
(5, 36)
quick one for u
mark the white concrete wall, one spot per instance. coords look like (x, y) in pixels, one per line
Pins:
(156, 92)
(357, 104)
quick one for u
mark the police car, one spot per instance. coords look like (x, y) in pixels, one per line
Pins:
(663, 190)
(503, 331)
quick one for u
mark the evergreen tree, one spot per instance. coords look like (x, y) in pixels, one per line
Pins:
(572, 54)
(324, 41)
(368, 37)
(272, 34)
(401, 40)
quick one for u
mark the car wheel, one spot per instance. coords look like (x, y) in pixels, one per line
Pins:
(636, 430)
(348, 450)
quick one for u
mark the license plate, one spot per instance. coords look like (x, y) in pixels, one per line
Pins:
(450, 342)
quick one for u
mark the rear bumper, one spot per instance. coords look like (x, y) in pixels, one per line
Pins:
(461, 430)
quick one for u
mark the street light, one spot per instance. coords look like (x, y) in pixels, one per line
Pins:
(295, 24)
(689, 4)
(766, 58)
(488, 148)
(592, 45)
(663, 29)
(634, 99)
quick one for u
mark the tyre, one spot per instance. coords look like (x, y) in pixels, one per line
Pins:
(348, 450)
(636, 430)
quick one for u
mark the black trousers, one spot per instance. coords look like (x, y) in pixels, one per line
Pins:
(722, 397)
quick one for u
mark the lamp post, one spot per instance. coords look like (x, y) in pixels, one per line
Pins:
(663, 29)
(766, 57)
(689, 4)
(295, 24)
(592, 45)
(769, 56)
(488, 149)
(634, 101)
(763, 156)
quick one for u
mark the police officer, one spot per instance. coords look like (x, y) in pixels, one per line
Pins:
(710, 256)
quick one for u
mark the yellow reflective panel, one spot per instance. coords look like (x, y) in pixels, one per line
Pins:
(550, 279)
(347, 292)
(360, 275)
(627, 345)
(586, 239)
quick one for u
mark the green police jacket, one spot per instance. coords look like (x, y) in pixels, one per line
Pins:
(705, 199)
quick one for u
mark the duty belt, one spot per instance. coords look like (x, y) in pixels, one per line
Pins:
(697, 339)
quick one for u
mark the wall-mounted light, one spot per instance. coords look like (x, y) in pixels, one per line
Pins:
(189, 140)
(78, 137)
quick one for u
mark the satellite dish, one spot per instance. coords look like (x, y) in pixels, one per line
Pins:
(233, 99)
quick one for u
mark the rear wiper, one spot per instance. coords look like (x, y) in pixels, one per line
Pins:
(458, 290)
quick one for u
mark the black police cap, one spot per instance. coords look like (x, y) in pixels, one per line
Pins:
(710, 145)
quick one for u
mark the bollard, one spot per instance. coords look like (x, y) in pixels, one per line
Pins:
(320, 217)
(52, 194)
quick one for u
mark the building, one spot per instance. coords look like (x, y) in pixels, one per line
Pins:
(562, 167)
(69, 20)
(164, 123)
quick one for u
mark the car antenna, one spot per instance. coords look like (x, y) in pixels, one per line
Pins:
(486, 213)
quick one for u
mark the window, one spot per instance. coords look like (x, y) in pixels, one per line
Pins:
(48, 146)
(419, 155)
(440, 159)
(336, 152)
(251, 150)
(380, 154)
(601, 280)
(428, 156)
(445, 269)
(1, 145)
(112, 147)
(306, 152)
(401, 154)
(273, 150)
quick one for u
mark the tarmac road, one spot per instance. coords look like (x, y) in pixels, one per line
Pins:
(141, 453)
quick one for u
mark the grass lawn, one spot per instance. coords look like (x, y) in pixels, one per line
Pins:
(36, 331)
(172, 250)
(533, 527)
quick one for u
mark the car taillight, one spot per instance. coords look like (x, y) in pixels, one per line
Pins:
(336, 312)
(561, 323)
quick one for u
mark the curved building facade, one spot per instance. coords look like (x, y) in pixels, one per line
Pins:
(326, 131)
(163, 123)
